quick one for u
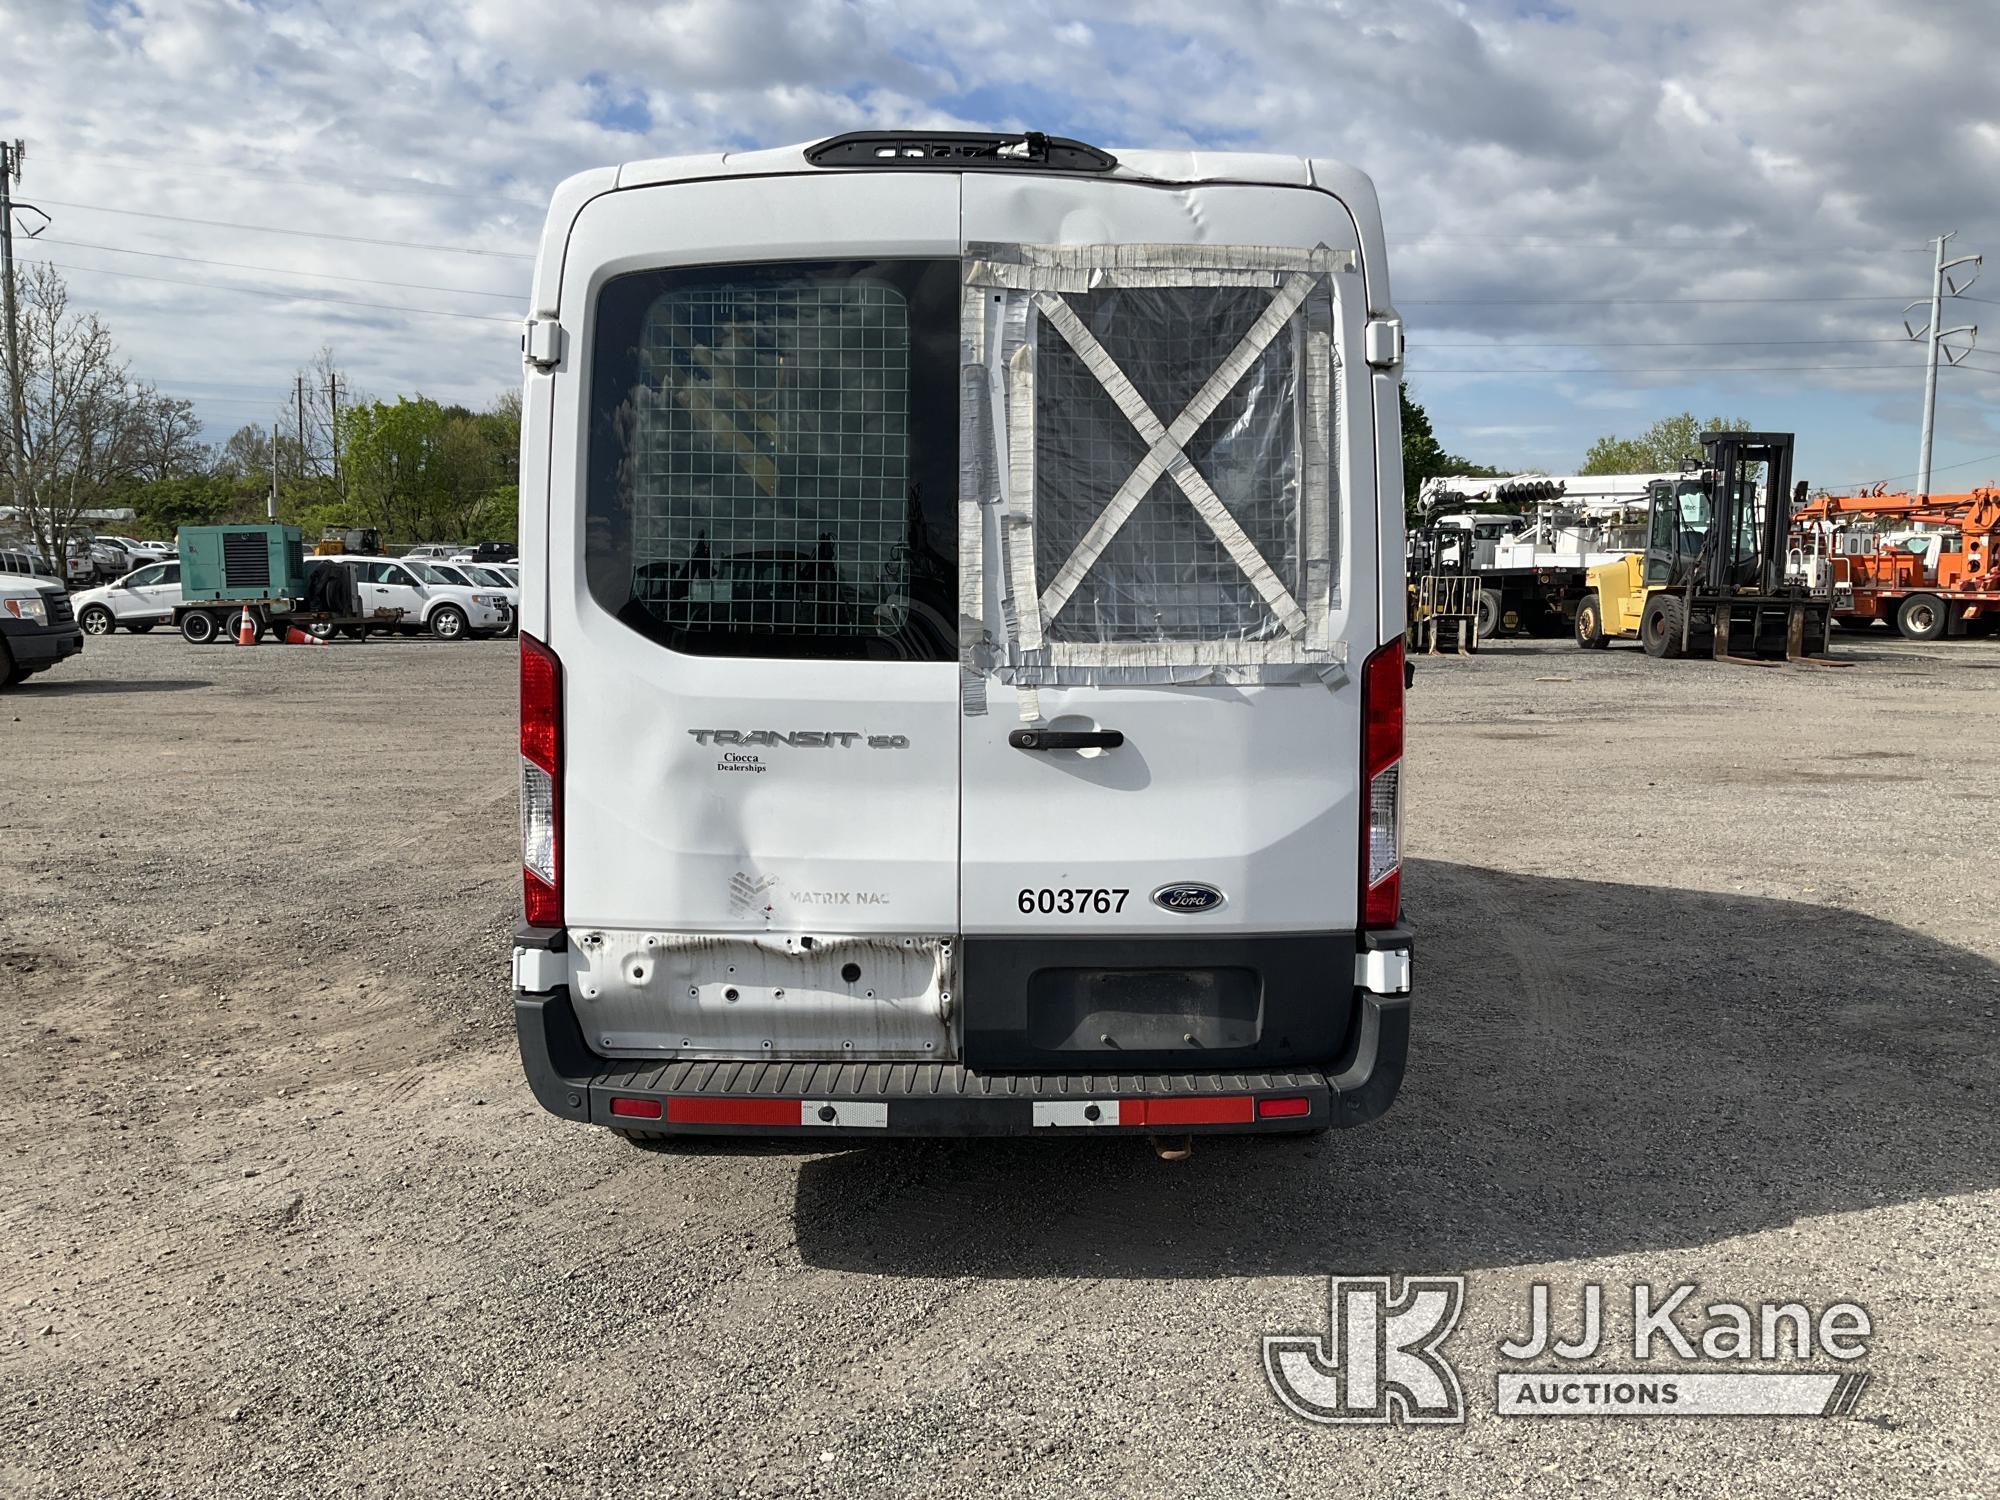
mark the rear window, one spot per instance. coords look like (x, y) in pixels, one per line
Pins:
(773, 458)
(1152, 431)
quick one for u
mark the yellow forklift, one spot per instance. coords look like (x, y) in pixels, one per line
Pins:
(1712, 576)
(335, 540)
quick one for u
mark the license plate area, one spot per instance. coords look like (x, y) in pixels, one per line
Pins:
(1144, 1010)
(1045, 1003)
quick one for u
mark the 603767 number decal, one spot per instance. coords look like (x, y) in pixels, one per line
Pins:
(1072, 900)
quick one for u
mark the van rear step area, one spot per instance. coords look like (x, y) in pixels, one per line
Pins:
(874, 1099)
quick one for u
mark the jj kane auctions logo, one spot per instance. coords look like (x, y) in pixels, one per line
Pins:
(1382, 1357)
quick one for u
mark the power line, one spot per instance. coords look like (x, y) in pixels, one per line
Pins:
(233, 265)
(310, 234)
(1648, 369)
(1853, 484)
(1642, 343)
(413, 187)
(1613, 301)
(1725, 243)
(259, 291)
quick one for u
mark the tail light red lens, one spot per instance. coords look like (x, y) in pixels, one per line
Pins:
(1382, 775)
(541, 784)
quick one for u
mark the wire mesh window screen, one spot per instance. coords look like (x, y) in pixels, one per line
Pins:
(1165, 576)
(770, 458)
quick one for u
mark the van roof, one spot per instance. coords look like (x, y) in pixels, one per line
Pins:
(1163, 168)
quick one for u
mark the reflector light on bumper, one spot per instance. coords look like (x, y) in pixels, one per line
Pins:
(849, 1114)
(1155, 1114)
(1159, 1115)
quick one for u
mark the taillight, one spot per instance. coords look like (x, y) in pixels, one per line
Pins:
(541, 784)
(1382, 773)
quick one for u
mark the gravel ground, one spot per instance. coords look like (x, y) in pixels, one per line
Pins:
(1706, 992)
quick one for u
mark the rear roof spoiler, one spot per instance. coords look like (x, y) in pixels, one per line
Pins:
(959, 151)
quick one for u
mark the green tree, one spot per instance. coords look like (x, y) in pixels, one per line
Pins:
(1424, 456)
(166, 505)
(422, 471)
(388, 461)
(1659, 449)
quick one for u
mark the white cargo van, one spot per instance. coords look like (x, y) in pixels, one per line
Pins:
(961, 644)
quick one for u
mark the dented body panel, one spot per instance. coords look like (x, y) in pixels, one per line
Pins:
(666, 994)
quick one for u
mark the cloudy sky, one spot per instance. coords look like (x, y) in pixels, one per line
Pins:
(1598, 213)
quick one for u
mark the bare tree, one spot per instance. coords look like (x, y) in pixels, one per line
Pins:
(246, 454)
(317, 382)
(81, 413)
(166, 437)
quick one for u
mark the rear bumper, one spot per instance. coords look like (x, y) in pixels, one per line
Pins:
(870, 1100)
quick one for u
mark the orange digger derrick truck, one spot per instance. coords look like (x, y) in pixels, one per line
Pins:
(1927, 582)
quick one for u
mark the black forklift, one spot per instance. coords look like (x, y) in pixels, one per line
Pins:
(1713, 573)
(1443, 588)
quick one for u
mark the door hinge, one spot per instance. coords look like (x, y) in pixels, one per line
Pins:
(541, 343)
(1385, 343)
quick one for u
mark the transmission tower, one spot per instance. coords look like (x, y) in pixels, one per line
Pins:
(1934, 334)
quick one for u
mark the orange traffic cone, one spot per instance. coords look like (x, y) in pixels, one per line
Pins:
(246, 628)
(297, 637)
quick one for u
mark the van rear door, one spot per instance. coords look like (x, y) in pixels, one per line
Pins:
(1161, 732)
(753, 597)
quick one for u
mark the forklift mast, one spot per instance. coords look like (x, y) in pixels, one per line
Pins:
(1733, 458)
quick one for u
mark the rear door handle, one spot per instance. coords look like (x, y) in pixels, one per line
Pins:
(1065, 739)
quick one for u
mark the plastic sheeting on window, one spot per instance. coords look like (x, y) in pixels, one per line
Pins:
(1147, 466)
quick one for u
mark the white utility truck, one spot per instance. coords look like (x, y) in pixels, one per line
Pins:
(1534, 538)
(961, 644)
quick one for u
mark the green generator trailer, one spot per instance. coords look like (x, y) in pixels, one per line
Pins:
(263, 570)
(242, 564)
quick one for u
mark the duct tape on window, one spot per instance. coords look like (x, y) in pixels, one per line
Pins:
(1148, 456)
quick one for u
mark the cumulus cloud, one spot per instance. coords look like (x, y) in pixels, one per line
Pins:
(1619, 153)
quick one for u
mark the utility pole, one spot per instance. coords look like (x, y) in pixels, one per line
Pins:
(333, 427)
(10, 173)
(271, 506)
(1934, 333)
(299, 395)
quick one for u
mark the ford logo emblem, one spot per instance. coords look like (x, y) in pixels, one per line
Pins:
(1187, 896)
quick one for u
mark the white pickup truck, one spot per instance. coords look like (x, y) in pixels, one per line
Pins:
(37, 627)
(961, 661)
(450, 611)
